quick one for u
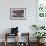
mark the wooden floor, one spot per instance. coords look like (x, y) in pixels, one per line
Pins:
(13, 44)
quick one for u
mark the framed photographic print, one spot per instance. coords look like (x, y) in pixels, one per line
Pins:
(41, 12)
(41, 8)
(17, 13)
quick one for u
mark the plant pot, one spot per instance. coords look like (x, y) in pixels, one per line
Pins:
(40, 41)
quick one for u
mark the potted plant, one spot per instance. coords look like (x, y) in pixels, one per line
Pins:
(39, 35)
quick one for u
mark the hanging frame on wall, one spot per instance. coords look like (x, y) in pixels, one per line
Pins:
(41, 8)
(17, 13)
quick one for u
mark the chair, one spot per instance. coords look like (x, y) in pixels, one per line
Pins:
(26, 41)
(7, 35)
(14, 32)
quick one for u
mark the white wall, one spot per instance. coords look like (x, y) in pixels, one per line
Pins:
(24, 25)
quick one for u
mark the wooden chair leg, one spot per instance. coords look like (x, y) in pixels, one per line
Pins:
(5, 43)
(5, 39)
(17, 39)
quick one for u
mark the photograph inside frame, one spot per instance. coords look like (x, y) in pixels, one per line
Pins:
(17, 13)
